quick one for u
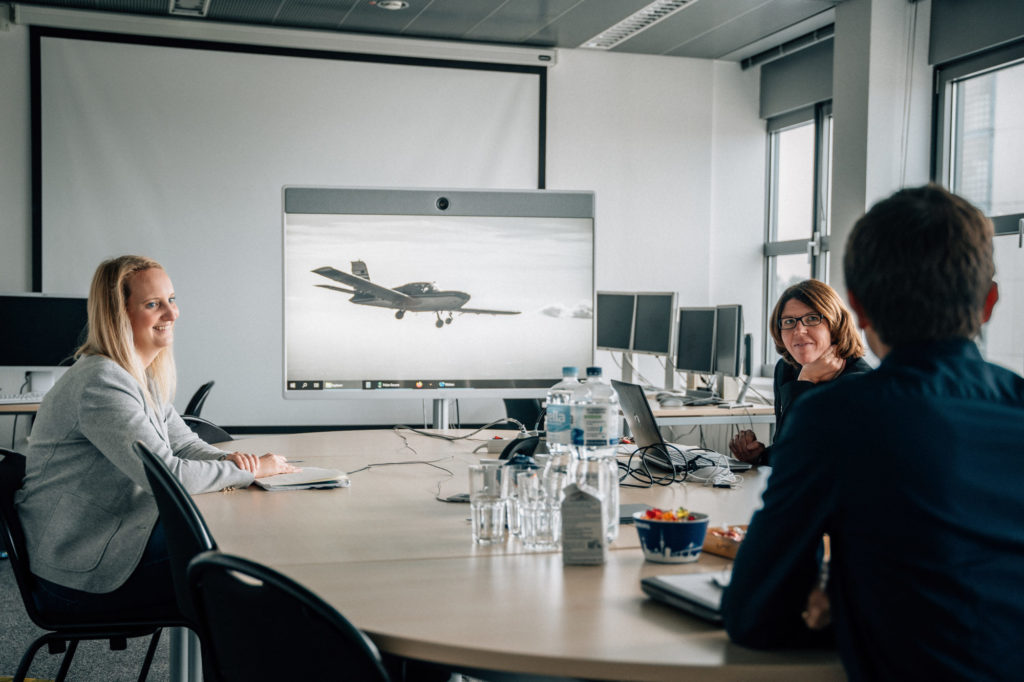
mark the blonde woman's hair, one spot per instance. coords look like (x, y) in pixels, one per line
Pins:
(110, 329)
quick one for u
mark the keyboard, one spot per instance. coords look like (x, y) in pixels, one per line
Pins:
(20, 398)
(687, 458)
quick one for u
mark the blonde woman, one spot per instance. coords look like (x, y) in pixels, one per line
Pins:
(91, 522)
(818, 341)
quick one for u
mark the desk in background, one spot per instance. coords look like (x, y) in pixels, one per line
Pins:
(402, 567)
(19, 408)
(711, 414)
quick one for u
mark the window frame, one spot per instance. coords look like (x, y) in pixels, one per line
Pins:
(817, 244)
(947, 76)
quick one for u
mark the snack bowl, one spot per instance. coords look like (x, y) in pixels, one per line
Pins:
(677, 541)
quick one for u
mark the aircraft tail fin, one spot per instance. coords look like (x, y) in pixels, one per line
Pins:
(359, 269)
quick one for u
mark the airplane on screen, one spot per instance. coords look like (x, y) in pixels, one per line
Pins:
(415, 297)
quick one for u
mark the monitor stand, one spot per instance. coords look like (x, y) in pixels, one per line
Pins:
(742, 394)
(627, 368)
(39, 382)
(440, 420)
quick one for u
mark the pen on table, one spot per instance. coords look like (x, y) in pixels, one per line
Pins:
(294, 461)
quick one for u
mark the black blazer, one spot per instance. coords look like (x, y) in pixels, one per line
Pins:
(788, 389)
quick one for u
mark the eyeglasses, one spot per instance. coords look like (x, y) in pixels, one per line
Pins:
(808, 320)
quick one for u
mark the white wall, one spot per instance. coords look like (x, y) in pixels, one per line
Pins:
(672, 147)
(674, 151)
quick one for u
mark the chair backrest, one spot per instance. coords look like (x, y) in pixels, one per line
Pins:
(309, 639)
(526, 410)
(186, 531)
(207, 430)
(195, 405)
(12, 537)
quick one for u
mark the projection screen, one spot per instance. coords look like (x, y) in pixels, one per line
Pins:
(179, 151)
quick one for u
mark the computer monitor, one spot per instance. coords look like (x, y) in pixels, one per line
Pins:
(695, 345)
(616, 311)
(41, 332)
(729, 340)
(654, 323)
(416, 293)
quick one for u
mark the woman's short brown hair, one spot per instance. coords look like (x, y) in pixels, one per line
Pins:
(822, 299)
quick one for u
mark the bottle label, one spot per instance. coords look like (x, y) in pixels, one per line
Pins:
(594, 426)
(559, 421)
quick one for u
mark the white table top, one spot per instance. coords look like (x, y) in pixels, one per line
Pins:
(402, 566)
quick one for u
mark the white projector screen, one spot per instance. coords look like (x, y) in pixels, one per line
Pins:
(179, 151)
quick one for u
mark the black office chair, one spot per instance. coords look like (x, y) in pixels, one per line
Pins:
(195, 405)
(186, 531)
(311, 640)
(205, 429)
(527, 411)
(65, 630)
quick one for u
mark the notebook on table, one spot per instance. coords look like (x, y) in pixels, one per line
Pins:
(647, 436)
(699, 594)
(309, 477)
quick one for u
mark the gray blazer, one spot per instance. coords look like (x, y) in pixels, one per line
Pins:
(86, 504)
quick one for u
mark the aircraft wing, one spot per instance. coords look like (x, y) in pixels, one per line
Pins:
(334, 288)
(364, 286)
(481, 311)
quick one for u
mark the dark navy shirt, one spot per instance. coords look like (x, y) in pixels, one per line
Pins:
(916, 471)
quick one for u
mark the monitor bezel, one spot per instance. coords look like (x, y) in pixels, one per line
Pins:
(679, 336)
(670, 351)
(737, 346)
(615, 349)
(65, 362)
(307, 199)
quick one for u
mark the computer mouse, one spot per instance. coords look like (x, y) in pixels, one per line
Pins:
(670, 402)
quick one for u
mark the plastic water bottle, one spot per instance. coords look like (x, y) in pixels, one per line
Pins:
(559, 413)
(596, 430)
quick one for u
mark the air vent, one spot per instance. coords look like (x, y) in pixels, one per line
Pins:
(189, 8)
(638, 21)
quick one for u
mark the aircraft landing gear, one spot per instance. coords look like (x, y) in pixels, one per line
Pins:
(400, 314)
(448, 320)
(439, 323)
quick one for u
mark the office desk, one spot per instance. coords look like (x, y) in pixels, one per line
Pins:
(711, 414)
(402, 566)
(19, 408)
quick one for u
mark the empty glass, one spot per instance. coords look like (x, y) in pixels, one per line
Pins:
(486, 505)
(540, 517)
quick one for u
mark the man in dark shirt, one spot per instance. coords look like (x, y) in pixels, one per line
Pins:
(915, 470)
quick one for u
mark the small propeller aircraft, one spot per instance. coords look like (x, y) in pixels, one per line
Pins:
(415, 297)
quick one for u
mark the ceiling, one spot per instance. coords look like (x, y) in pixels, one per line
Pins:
(711, 29)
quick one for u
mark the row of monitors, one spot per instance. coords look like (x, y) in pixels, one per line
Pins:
(703, 340)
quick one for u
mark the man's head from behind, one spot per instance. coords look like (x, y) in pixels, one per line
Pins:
(919, 267)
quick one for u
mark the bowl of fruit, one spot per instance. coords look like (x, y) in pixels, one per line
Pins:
(671, 536)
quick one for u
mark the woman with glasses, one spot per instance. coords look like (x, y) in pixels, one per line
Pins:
(818, 341)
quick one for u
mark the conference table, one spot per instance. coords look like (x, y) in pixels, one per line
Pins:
(401, 565)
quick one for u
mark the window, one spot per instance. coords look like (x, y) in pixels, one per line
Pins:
(799, 192)
(980, 155)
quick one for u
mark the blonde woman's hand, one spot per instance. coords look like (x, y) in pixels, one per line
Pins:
(271, 465)
(244, 461)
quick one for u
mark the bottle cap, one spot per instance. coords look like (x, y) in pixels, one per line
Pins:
(593, 371)
(570, 372)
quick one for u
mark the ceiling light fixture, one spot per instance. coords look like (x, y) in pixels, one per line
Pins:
(189, 8)
(392, 4)
(638, 21)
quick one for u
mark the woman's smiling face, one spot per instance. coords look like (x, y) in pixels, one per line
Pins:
(805, 344)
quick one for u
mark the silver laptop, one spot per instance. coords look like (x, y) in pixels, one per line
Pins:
(647, 436)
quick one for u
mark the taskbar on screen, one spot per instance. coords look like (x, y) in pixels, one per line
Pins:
(425, 384)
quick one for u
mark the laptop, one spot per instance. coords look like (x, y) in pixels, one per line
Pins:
(699, 594)
(658, 453)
